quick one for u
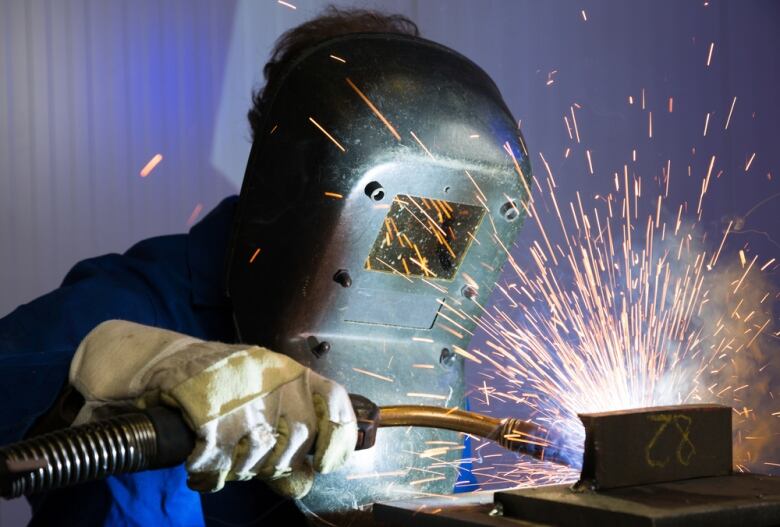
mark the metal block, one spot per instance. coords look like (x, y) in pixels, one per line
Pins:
(726, 501)
(637, 447)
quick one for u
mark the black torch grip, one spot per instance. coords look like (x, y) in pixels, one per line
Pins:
(367, 414)
(175, 439)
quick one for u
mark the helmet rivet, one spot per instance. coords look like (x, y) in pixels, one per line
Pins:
(321, 349)
(375, 191)
(469, 291)
(509, 211)
(342, 277)
(447, 357)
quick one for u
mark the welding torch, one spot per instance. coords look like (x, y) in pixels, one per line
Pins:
(159, 437)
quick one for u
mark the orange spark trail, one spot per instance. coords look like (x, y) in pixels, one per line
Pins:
(750, 162)
(720, 248)
(333, 140)
(422, 145)
(372, 374)
(374, 109)
(195, 213)
(153, 162)
(574, 121)
(650, 125)
(731, 110)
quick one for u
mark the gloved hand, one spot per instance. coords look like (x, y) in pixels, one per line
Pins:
(256, 413)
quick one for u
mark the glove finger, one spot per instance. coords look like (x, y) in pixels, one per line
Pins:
(250, 452)
(339, 406)
(207, 467)
(267, 466)
(295, 426)
(207, 482)
(292, 444)
(336, 424)
(296, 484)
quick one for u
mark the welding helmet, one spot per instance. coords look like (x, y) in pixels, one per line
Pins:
(383, 189)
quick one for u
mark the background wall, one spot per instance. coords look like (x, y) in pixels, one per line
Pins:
(92, 90)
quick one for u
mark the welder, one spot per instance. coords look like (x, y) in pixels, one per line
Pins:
(354, 247)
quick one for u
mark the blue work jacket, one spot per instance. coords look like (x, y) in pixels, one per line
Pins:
(174, 282)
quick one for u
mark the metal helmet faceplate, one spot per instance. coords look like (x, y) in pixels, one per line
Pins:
(380, 197)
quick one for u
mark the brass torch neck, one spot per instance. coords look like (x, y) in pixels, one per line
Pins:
(514, 434)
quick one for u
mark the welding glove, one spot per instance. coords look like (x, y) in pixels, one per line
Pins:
(255, 413)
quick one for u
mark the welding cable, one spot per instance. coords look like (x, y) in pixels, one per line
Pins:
(156, 438)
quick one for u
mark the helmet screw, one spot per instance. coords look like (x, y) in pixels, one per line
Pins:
(509, 211)
(469, 291)
(447, 357)
(321, 349)
(375, 191)
(342, 277)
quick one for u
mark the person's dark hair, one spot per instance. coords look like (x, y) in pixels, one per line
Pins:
(333, 22)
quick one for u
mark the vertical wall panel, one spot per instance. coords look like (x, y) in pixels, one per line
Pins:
(91, 91)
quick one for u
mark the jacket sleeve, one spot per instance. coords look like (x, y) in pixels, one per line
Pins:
(37, 340)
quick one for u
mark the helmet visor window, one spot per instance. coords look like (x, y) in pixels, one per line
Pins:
(424, 237)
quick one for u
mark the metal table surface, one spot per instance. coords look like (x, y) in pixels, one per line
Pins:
(734, 500)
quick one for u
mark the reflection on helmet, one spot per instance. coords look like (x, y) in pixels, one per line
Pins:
(383, 194)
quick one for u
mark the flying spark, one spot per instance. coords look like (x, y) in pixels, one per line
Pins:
(374, 375)
(425, 148)
(374, 109)
(195, 213)
(333, 140)
(750, 162)
(153, 162)
(731, 110)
